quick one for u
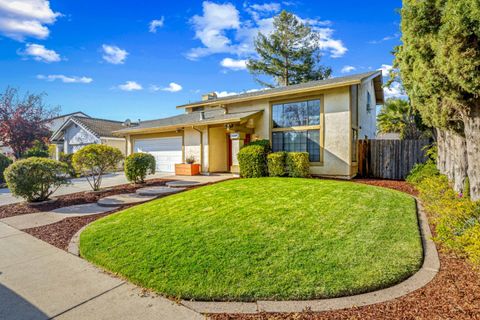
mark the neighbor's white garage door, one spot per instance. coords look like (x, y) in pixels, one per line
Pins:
(167, 151)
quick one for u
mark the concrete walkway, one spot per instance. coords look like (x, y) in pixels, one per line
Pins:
(39, 281)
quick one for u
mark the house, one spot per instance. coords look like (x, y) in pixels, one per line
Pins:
(78, 131)
(52, 124)
(324, 118)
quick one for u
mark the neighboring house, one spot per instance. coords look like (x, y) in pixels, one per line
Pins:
(388, 136)
(77, 132)
(324, 118)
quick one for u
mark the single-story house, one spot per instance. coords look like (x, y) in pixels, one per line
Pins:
(78, 131)
(324, 118)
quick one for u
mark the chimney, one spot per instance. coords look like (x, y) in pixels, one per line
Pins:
(209, 96)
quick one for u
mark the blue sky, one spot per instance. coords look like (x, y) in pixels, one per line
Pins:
(140, 59)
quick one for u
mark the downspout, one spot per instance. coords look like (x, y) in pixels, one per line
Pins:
(201, 147)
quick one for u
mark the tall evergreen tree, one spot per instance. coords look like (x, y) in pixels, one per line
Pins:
(290, 54)
(439, 62)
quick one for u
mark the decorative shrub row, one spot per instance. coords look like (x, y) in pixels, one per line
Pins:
(456, 217)
(138, 165)
(4, 163)
(256, 160)
(35, 179)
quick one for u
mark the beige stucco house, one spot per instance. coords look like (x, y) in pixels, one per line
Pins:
(324, 118)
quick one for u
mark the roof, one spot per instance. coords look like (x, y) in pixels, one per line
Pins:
(302, 87)
(78, 113)
(190, 119)
(101, 128)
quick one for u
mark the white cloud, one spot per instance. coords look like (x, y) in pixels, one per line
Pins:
(26, 18)
(233, 64)
(64, 79)
(222, 94)
(395, 90)
(172, 87)
(38, 52)
(347, 69)
(113, 54)
(266, 7)
(387, 38)
(221, 30)
(130, 86)
(386, 69)
(155, 24)
(211, 26)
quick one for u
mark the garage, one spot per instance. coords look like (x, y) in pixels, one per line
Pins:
(167, 151)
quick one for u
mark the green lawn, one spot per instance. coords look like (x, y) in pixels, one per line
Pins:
(269, 238)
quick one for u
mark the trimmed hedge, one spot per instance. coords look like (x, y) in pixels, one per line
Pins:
(253, 161)
(265, 144)
(138, 165)
(4, 163)
(36, 179)
(277, 165)
(298, 164)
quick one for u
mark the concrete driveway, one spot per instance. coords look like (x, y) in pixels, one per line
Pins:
(78, 185)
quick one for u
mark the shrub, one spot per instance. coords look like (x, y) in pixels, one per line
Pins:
(265, 144)
(35, 179)
(422, 171)
(252, 161)
(190, 160)
(4, 163)
(277, 166)
(67, 159)
(94, 160)
(138, 165)
(298, 164)
(38, 150)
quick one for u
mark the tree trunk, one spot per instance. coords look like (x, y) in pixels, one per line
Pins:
(472, 135)
(452, 157)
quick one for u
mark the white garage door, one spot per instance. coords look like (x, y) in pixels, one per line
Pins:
(167, 151)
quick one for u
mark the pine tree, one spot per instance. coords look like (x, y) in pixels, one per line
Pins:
(290, 54)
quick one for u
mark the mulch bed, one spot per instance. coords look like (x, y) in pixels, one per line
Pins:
(74, 199)
(454, 293)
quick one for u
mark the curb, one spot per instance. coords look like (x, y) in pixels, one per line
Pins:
(429, 269)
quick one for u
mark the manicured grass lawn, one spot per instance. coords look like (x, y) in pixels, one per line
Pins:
(269, 238)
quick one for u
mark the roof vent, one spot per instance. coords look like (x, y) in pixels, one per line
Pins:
(209, 96)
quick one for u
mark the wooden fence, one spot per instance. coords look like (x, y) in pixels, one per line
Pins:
(389, 159)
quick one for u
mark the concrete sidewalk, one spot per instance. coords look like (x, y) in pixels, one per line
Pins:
(39, 281)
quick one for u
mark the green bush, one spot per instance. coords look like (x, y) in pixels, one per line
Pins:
(95, 160)
(265, 144)
(422, 171)
(38, 150)
(67, 159)
(138, 165)
(277, 166)
(298, 164)
(456, 217)
(35, 179)
(253, 161)
(4, 163)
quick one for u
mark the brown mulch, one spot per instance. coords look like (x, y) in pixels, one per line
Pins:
(74, 199)
(60, 233)
(454, 293)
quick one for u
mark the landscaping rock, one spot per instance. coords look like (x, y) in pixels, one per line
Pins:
(183, 184)
(123, 199)
(157, 191)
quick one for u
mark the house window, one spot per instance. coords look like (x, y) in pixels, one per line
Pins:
(296, 128)
(369, 102)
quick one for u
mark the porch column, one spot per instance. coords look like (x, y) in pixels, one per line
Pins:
(237, 143)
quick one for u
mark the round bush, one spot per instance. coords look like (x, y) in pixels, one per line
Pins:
(265, 144)
(252, 161)
(4, 163)
(277, 164)
(298, 164)
(94, 160)
(35, 179)
(138, 165)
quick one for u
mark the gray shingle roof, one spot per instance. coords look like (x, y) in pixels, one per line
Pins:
(306, 85)
(194, 118)
(100, 127)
